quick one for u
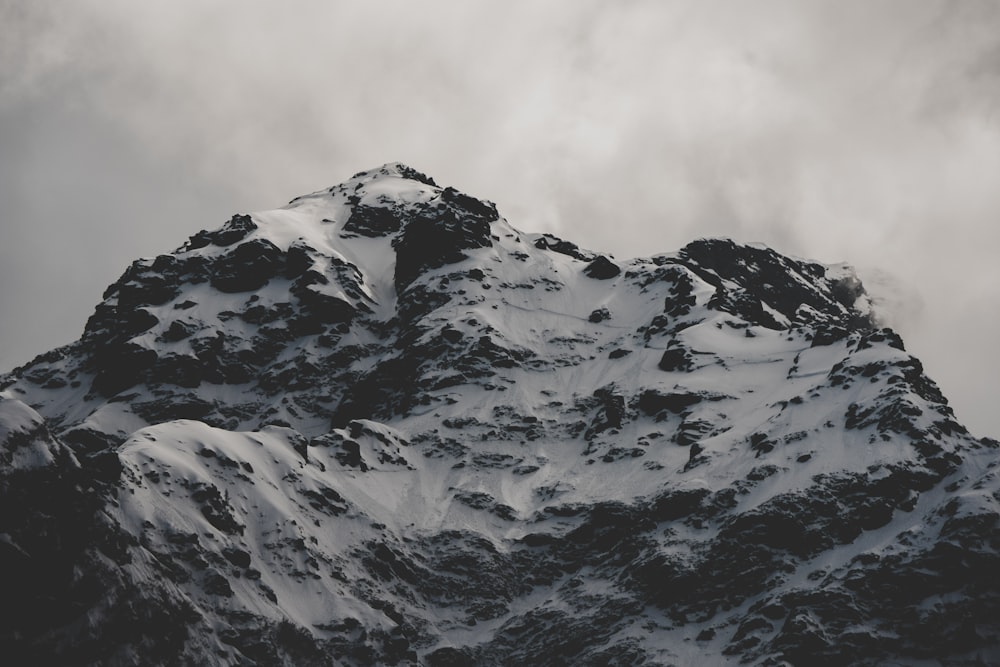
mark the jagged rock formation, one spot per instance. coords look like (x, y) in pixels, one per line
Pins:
(382, 426)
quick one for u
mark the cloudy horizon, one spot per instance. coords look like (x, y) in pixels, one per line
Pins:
(858, 132)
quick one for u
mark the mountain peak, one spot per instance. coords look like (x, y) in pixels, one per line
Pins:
(379, 425)
(779, 291)
(393, 170)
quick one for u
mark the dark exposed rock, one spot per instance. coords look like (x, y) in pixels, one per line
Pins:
(237, 557)
(783, 284)
(675, 359)
(440, 234)
(175, 406)
(549, 242)
(652, 402)
(449, 656)
(402, 170)
(691, 431)
(373, 221)
(180, 370)
(121, 367)
(134, 322)
(828, 335)
(88, 441)
(299, 258)
(320, 307)
(178, 330)
(248, 267)
(602, 268)
(237, 229)
(378, 391)
(887, 336)
(600, 315)
(152, 291)
(673, 505)
(610, 414)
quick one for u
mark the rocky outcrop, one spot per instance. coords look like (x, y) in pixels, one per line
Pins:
(440, 233)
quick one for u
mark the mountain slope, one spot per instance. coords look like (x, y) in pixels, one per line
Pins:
(381, 425)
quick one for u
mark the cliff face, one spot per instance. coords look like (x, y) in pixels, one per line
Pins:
(381, 425)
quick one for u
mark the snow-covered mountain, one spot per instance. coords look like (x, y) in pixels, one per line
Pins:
(380, 425)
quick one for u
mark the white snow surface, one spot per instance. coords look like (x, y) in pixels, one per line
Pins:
(25, 443)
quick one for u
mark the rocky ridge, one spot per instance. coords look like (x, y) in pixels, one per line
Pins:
(381, 425)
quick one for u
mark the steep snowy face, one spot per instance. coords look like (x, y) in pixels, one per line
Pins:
(381, 425)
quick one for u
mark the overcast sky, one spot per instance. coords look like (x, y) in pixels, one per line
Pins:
(865, 131)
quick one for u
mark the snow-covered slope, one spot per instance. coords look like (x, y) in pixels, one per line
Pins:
(380, 425)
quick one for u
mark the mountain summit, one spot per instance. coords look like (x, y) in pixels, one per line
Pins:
(380, 425)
